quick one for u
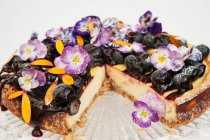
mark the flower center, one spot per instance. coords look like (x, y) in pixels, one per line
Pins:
(161, 59)
(28, 51)
(76, 59)
(144, 113)
(27, 81)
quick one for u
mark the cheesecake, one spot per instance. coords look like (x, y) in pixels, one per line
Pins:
(53, 83)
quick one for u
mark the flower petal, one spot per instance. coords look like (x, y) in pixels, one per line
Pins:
(67, 79)
(41, 78)
(49, 94)
(137, 47)
(26, 108)
(15, 94)
(41, 62)
(54, 32)
(59, 46)
(58, 63)
(121, 43)
(80, 41)
(56, 70)
(144, 123)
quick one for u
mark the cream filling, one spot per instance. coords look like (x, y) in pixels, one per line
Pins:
(89, 93)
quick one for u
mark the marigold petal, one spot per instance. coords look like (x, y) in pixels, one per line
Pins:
(26, 108)
(80, 41)
(151, 51)
(59, 46)
(56, 70)
(90, 25)
(15, 94)
(119, 24)
(49, 94)
(42, 62)
(120, 67)
(121, 43)
(67, 79)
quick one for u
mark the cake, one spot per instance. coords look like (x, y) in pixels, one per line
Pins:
(53, 83)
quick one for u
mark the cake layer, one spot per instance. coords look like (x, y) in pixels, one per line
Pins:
(176, 114)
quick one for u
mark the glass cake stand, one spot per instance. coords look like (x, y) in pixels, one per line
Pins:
(110, 119)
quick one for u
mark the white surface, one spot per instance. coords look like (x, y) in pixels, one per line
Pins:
(19, 18)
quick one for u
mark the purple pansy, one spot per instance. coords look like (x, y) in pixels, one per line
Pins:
(147, 24)
(68, 36)
(154, 102)
(32, 50)
(144, 114)
(82, 26)
(177, 61)
(54, 32)
(31, 79)
(102, 38)
(161, 59)
(136, 47)
(73, 59)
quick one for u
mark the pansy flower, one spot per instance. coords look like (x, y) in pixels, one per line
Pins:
(32, 50)
(73, 59)
(144, 115)
(136, 47)
(147, 24)
(161, 59)
(54, 32)
(31, 79)
(68, 36)
(86, 25)
(102, 38)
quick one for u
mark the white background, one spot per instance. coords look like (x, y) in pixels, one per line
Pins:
(19, 18)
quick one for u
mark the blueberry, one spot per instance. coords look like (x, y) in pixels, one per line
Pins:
(118, 57)
(135, 70)
(139, 37)
(73, 106)
(148, 40)
(147, 67)
(204, 50)
(96, 52)
(182, 82)
(141, 56)
(165, 40)
(161, 80)
(17, 63)
(130, 60)
(62, 94)
(189, 62)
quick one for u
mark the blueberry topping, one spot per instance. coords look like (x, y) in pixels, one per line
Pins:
(118, 57)
(161, 80)
(182, 82)
(130, 60)
(148, 40)
(139, 38)
(203, 49)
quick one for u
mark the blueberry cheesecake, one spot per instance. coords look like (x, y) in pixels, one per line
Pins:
(51, 84)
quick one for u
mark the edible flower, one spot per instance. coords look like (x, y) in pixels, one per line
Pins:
(54, 32)
(102, 38)
(73, 59)
(144, 115)
(160, 59)
(31, 79)
(32, 50)
(68, 36)
(136, 47)
(147, 24)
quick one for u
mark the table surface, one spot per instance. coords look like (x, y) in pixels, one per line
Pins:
(18, 19)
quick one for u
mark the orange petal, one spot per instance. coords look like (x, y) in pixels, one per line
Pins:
(119, 24)
(42, 62)
(67, 79)
(174, 41)
(90, 25)
(56, 70)
(26, 108)
(15, 94)
(49, 94)
(80, 41)
(120, 67)
(121, 43)
(94, 70)
(59, 46)
(151, 51)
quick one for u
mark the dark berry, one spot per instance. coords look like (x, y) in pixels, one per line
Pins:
(204, 50)
(148, 40)
(138, 37)
(37, 132)
(50, 77)
(161, 80)
(34, 36)
(189, 62)
(118, 57)
(182, 82)
(17, 63)
(7, 68)
(130, 60)
(135, 70)
(63, 93)
(73, 107)
(141, 56)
